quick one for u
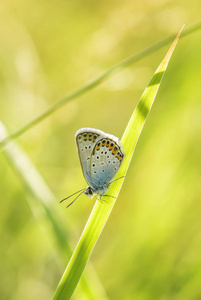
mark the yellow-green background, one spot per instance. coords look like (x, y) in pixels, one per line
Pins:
(151, 245)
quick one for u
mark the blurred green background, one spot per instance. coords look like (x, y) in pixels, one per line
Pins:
(151, 245)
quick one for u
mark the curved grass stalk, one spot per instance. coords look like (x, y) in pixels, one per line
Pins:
(95, 82)
(101, 212)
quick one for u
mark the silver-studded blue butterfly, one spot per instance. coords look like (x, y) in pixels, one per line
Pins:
(100, 156)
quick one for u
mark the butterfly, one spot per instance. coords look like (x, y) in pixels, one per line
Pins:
(100, 157)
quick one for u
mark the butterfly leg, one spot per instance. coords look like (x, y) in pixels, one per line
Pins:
(109, 196)
(116, 179)
(102, 200)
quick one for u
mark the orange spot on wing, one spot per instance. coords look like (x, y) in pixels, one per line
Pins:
(94, 138)
(114, 151)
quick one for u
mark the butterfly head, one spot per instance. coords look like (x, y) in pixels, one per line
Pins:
(89, 192)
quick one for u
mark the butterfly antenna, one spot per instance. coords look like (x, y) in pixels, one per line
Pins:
(71, 195)
(116, 179)
(74, 199)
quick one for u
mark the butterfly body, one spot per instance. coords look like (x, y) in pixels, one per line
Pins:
(100, 156)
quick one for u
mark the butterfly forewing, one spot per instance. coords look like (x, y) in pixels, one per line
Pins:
(86, 139)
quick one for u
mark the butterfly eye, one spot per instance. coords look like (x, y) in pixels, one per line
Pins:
(90, 191)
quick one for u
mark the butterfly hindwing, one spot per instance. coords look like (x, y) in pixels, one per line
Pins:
(105, 162)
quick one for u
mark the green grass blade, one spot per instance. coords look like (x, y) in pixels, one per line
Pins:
(95, 82)
(101, 212)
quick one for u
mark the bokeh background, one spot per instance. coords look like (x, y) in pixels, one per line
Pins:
(151, 245)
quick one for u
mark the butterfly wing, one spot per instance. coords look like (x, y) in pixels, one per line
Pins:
(106, 159)
(100, 156)
(86, 138)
